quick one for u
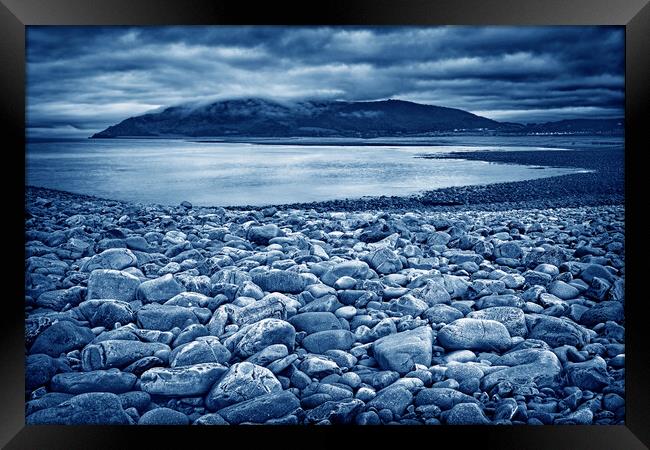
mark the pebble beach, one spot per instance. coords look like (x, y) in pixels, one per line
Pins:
(495, 304)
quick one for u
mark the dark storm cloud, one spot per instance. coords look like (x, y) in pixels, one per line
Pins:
(82, 79)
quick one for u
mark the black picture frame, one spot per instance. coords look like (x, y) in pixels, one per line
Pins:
(16, 14)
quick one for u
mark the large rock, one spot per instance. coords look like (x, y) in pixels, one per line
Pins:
(242, 382)
(163, 416)
(358, 270)
(557, 331)
(323, 341)
(335, 412)
(475, 334)
(114, 284)
(118, 353)
(508, 250)
(96, 408)
(442, 313)
(260, 335)
(526, 366)
(319, 366)
(283, 281)
(562, 290)
(589, 375)
(603, 312)
(467, 414)
(113, 258)
(513, 318)
(262, 235)
(401, 351)
(205, 349)
(313, 322)
(159, 290)
(165, 317)
(596, 270)
(434, 292)
(61, 337)
(269, 307)
(111, 380)
(188, 381)
(490, 301)
(106, 312)
(408, 305)
(260, 409)
(40, 368)
(396, 399)
(444, 398)
(384, 261)
(59, 298)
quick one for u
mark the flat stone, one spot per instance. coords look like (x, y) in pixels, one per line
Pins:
(323, 341)
(262, 235)
(444, 398)
(562, 290)
(159, 290)
(262, 334)
(557, 331)
(261, 409)
(242, 382)
(538, 366)
(203, 350)
(384, 261)
(40, 368)
(335, 412)
(111, 380)
(394, 398)
(117, 353)
(408, 305)
(603, 312)
(95, 408)
(59, 298)
(188, 381)
(165, 317)
(113, 284)
(401, 351)
(467, 414)
(113, 258)
(475, 334)
(356, 269)
(283, 281)
(589, 375)
(61, 337)
(319, 366)
(106, 312)
(163, 416)
(513, 318)
(269, 307)
(442, 314)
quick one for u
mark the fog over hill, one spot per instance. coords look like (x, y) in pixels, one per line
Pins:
(257, 117)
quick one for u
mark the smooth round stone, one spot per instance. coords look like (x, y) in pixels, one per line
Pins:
(548, 269)
(164, 416)
(345, 283)
(562, 290)
(346, 312)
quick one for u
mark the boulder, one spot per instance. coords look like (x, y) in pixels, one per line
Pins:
(401, 351)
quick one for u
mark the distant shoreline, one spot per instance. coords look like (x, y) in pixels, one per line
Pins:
(603, 186)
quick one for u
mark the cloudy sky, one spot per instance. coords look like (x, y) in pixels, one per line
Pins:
(82, 79)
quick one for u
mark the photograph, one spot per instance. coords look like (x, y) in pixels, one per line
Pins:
(419, 225)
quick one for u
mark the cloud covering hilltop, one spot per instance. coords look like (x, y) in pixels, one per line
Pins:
(82, 79)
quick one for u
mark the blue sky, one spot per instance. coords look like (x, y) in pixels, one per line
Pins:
(82, 79)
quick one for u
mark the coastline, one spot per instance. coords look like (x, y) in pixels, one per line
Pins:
(368, 311)
(603, 186)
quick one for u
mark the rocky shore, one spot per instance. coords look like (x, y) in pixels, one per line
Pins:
(146, 314)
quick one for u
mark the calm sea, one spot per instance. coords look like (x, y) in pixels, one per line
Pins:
(219, 174)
